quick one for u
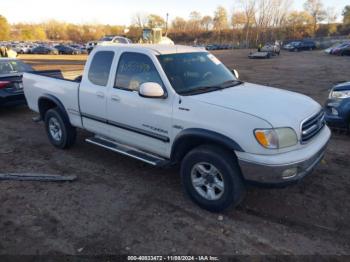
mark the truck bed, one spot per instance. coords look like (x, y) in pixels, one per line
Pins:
(51, 84)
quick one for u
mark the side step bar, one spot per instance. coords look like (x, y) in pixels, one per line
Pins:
(128, 151)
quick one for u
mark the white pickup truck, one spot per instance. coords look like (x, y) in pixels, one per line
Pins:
(167, 105)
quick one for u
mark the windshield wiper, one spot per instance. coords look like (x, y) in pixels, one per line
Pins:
(205, 89)
(231, 83)
(200, 90)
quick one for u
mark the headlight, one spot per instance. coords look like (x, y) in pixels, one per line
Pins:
(340, 94)
(276, 137)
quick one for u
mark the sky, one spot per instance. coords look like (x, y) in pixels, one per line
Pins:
(120, 12)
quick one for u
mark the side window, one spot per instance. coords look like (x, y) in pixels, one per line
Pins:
(120, 41)
(100, 67)
(135, 69)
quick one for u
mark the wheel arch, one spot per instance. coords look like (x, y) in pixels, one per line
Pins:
(190, 138)
(47, 101)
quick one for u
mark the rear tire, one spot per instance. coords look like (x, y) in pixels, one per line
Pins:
(59, 131)
(212, 178)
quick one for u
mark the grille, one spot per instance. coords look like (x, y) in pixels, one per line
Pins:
(312, 126)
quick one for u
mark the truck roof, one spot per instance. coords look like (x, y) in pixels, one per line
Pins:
(160, 49)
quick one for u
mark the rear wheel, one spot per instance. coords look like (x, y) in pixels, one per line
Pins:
(212, 179)
(60, 132)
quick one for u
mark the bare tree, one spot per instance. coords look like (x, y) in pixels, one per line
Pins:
(315, 9)
(249, 8)
(155, 21)
(140, 20)
(220, 18)
(238, 20)
(179, 24)
(194, 23)
(207, 22)
(331, 15)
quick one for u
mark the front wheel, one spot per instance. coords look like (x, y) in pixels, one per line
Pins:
(60, 132)
(212, 178)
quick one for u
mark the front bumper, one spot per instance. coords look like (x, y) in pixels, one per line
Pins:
(286, 167)
(342, 113)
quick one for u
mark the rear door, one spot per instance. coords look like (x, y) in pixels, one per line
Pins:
(93, 92)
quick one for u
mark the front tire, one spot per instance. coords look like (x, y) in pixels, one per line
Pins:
(212, 179)
(59, 131)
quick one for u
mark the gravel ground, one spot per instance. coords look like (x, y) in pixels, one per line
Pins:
(121, 206)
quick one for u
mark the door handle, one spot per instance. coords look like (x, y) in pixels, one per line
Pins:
(115, 98)
(100, 94)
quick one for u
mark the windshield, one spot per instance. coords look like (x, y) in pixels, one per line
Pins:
(107, 38)
(9, 67)
(191, 73)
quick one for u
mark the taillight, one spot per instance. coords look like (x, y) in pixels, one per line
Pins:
(4, 84)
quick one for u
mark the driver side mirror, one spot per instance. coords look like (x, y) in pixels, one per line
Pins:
(151, 90)
(235, 73)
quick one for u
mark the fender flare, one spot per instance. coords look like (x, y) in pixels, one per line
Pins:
(185, 138)
(57, 102)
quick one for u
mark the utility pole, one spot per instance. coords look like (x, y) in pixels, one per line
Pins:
(166, 24)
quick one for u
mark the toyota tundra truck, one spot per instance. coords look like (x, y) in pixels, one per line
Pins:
(171, 104)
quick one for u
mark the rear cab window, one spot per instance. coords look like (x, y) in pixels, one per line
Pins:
(100, 67)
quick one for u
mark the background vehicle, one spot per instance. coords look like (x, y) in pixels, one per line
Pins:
(340, 49)
(11, 87)
(114, 39)
(81, 48)
(165, 104)
(155, 36)
(300, 46)
(345, 51)
(90, 45)
(21, 49)
(271, 48)
(212, 47)
(67, 50)
(338, 106)
(329, 49)
(290, 46)
(44, 50)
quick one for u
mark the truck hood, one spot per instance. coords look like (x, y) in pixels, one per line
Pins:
(279, 107)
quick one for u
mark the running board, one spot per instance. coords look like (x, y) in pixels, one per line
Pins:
(128, 151)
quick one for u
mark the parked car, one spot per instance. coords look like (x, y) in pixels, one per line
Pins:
(90, 45)
(339, 50)
(21, 49)
(290, 46)
(11, 87)
(67, 50)
(338, 106)
(81, 48)
(271, 48)
(181, 105)
(345, 51)
(329, 49)
(212, 47)
(114, 39)
(44, 50)
(301, 46)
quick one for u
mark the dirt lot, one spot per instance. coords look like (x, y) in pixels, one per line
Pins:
(119, 205)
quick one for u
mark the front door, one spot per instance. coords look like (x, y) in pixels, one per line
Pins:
(134, 120)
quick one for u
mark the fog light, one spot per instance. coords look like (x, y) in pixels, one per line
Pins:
(289, 173)
(334, 111)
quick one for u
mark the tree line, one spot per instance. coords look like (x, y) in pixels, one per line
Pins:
(251, 22)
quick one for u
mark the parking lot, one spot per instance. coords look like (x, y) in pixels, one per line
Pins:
(120, 205)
